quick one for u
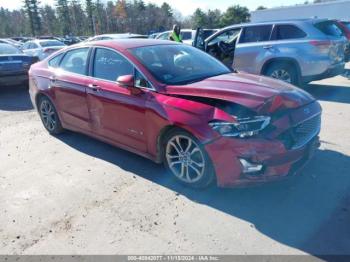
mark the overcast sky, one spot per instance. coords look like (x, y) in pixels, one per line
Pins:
(186, 7)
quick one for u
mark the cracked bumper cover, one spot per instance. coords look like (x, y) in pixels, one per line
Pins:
(278, 162)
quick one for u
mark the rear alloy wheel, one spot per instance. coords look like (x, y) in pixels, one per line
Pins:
(284, 72)
(187, 160)
(49, 116)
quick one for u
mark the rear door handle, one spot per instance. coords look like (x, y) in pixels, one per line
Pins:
(53, 79)
(94, 87)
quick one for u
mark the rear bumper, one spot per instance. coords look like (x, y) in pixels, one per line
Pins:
(278, 162)
(332, 71)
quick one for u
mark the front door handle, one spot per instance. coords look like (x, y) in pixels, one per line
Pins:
(94, 87)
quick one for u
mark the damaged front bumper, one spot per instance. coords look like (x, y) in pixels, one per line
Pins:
(275, 160)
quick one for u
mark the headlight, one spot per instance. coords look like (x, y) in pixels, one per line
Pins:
(244, 127)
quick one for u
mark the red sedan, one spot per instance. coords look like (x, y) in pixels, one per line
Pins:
(177, 105)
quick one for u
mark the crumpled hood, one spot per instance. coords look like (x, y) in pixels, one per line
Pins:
(258, 93)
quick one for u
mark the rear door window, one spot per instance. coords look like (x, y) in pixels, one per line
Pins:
(254, 34)
(329, 28)
(75, 61)
(282, 32)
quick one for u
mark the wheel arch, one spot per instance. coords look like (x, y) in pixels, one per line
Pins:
(40, 95)
(288, 60)
(160, 139)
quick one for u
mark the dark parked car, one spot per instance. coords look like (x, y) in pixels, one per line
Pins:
(14, 65)
(175, 104)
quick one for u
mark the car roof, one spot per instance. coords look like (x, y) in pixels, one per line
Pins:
(123, 44)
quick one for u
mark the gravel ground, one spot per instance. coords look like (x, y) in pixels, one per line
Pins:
(74, 195)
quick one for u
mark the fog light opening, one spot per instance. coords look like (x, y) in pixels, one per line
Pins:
(248, 167)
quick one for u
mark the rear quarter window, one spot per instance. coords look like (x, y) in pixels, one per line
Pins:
(55, 62)
(282, 32)
(254, 34)
(329, 28)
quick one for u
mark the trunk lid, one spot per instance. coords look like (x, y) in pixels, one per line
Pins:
(15, 63)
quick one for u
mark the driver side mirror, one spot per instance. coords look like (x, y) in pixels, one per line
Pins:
(126, 81)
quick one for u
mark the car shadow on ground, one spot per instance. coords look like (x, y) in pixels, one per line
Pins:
(330, 93)
(302, 212)
(15, 98)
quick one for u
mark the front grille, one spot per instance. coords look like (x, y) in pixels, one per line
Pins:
(305, 131)
(302, 133)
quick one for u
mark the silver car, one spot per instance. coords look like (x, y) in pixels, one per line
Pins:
(42, 48)
(295, 51)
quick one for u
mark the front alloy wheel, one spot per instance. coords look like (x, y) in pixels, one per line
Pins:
(187, 160)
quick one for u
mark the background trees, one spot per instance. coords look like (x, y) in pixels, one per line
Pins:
(90, 17)
(31, 8)
(63, 15)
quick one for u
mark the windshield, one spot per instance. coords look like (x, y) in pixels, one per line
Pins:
(347, 24)
(178, 64)
(6, 49)
(51, 43)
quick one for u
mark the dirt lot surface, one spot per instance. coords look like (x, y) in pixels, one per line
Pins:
(74, 195)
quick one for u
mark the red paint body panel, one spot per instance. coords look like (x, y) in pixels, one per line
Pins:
(134, 121)
(259, 93)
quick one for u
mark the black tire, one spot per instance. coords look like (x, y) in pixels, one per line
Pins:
(49, 116)
(193, 158)
(278, 69)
